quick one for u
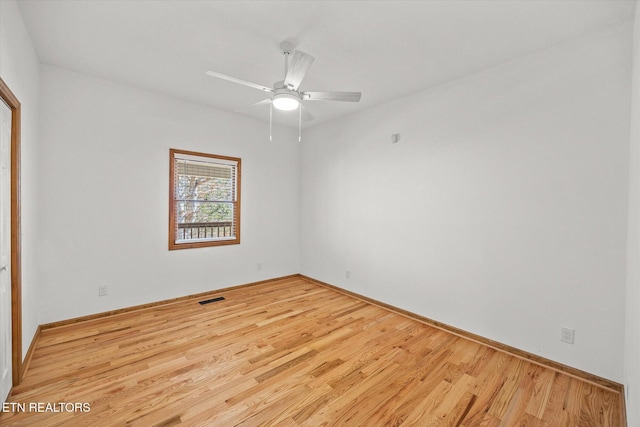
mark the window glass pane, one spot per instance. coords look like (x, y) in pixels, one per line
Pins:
(204, 198)
(189, 187)
(195, 211)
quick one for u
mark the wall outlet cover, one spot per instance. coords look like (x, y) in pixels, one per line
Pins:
(567, 335)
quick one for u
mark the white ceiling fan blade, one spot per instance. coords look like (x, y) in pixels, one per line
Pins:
(298, 67)
(332, 96)
(256, 104)
(306, 114)
(239, 81)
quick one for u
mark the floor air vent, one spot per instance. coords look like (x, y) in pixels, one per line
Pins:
(208, 301)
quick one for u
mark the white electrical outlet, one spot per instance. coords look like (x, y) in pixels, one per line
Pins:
(347, 274)
(103, 291)
(567, 335)
(259, 266)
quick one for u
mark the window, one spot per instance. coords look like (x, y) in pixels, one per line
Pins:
(204, 194)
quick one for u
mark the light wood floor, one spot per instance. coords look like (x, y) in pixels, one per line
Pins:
(292, 353)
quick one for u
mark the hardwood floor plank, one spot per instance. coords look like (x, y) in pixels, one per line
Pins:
(455, 402)
(292, 353)
(540, 389)
(424, 408)
(514, 371)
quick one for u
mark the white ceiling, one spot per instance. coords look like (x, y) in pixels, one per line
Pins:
(385, 49)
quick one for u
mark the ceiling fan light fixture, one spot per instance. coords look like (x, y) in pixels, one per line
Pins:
(285, 101)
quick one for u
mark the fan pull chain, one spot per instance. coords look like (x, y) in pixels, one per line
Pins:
(300, 123)
(270, 121)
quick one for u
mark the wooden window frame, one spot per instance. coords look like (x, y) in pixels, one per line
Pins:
(172, 212)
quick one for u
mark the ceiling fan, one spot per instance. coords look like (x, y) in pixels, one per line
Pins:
(285, 94)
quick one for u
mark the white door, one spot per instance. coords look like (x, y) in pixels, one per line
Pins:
(5, 250)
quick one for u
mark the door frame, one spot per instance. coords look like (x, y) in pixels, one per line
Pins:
(16, 265)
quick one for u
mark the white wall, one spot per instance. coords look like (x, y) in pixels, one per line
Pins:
(19, 68)
(632, 338)
(502, 210)
(104, 169)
